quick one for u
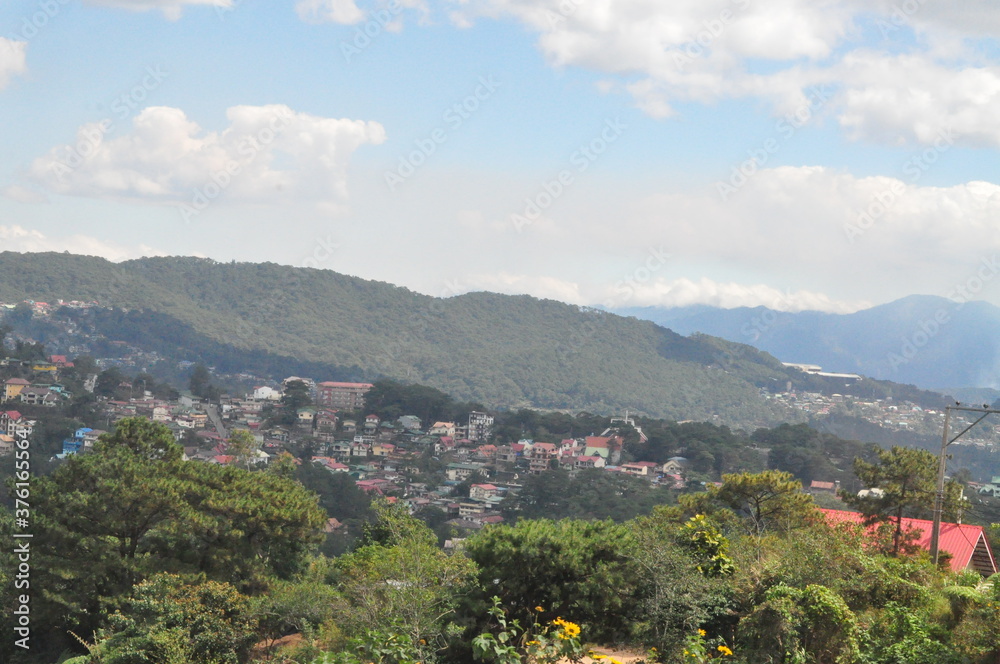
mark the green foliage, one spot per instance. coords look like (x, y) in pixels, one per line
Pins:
(811, 624)
(107, 520)
(698, 649)
(907, 479)
(676, 596)
(900, 635)
(299, 605)
(558, 641)
(243, 446)
(979, 623)
(143, 439)
(587, 494)
(169, 621)
(767, 501)
(399, 579)
(569, 567)
(709, 546)
(378, 647)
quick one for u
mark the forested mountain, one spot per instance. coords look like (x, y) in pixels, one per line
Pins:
(931, 342)
(503, 351)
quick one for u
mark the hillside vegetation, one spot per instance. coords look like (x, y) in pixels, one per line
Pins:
(502, 351)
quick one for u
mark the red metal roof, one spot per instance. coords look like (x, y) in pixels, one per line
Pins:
(959, 540)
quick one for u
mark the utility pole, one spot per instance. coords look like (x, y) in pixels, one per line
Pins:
(943, 461)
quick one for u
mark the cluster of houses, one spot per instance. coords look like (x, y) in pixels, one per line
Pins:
(44, 390)
(381, 456)
(890, 413)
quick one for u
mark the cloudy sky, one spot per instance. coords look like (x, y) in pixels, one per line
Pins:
(801, 154)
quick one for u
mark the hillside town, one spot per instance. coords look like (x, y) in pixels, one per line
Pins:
(382, 456)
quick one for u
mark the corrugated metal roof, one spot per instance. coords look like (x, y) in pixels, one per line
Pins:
(965, 543)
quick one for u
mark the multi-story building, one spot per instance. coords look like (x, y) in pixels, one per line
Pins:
(480, 426)
(342, 396)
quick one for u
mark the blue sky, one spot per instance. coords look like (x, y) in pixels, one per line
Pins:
(584, 150)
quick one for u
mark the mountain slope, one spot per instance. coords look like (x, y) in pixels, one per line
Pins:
(929, 341)
(500, 350)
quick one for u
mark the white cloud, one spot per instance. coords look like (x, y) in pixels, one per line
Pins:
(172, 9)
(926, 70)
(344, 12)
(910, 98)
(825, 231)
(388, 14)
(19, 194)
(12, 59)
(684, 292)
(267, 154)
(659, 292)
(19, 239)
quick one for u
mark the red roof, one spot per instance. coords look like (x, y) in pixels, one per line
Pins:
(597, 441)
(17, 381)
(333, 384)
(962, 541)
(13, 414)
(828, 486)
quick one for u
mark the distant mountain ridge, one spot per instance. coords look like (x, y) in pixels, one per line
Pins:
(928, 341)
(499, 350)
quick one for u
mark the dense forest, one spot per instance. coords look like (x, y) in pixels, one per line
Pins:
(503, 351)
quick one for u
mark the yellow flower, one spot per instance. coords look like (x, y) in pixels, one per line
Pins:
(614, 661)
(725, 651)
(599, 656)
(572, 629)
(539, 609)
(701, 632)
(532, 643)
